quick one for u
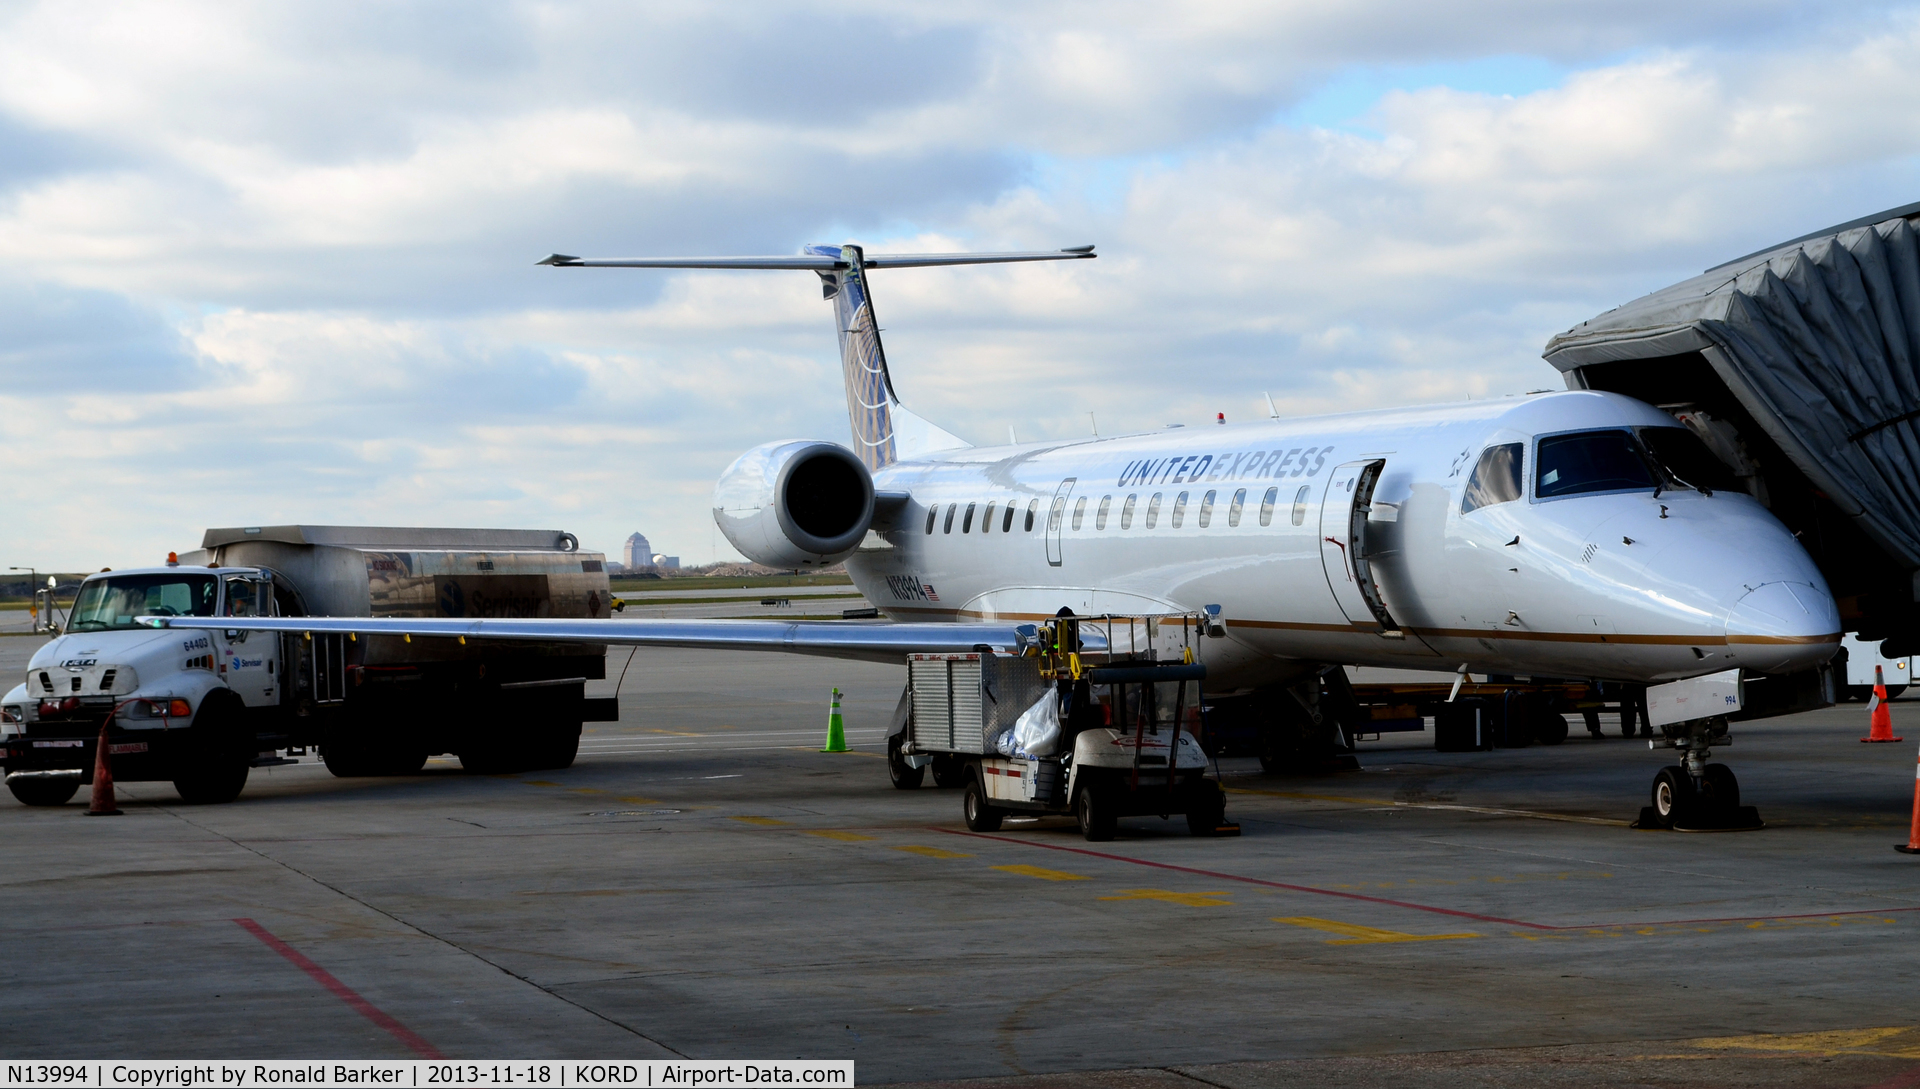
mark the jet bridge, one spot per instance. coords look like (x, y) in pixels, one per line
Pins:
(1799, 365)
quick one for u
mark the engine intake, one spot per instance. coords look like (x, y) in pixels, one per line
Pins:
(795, 504)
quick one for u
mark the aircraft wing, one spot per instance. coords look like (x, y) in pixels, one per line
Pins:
(865, 641)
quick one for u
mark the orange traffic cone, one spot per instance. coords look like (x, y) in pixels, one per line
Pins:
(1882, 718)
(103, 803)
(1913, 835)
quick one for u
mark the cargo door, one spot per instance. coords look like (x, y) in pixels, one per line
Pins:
(1056, 517)
(1343, 545)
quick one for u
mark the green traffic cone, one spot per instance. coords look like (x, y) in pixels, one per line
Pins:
(836, 729)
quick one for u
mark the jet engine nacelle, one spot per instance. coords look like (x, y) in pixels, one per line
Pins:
(795, 504)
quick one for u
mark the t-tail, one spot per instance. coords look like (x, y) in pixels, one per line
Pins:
(883, 430)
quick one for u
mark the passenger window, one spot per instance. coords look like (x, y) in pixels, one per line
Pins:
(966, 524)
(1100, 519)
(1206, 510)
(986, 520)
(933, 512)
(1006, 524)
(1496, 479)
(947, 526)
(1266, 506)
(1233, 512)
(1153, 510)
(1079, 512)
(1033, 507)
(1588, 461)
(1300, 505)
(1126, 513)
(1179, 509)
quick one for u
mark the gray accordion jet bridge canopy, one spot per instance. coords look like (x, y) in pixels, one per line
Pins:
(1800, 366)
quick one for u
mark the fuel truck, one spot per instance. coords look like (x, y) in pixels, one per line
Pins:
(203, 708)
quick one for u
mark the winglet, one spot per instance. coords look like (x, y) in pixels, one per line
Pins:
(558, 259)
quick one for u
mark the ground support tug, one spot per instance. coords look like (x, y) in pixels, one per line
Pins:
(1125, 735)
(203, 708)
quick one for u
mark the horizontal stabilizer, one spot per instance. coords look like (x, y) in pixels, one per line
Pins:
(825, 262)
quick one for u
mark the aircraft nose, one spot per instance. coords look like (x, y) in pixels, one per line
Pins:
(1782, 627)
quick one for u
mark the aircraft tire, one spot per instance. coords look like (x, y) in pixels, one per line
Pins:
(904, 775)
(1672, 794)
(980, 816)
(1721, 787)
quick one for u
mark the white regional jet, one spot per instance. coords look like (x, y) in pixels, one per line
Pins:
(1568, 535)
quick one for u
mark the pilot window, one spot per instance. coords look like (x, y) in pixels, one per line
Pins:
(1179, 509)
(1079, 512)
(1153, 510)
(1496, 479)
(1300, 505)
(986, 520)
(1686, 460)
(1589, 461)
(1233, 512)
(1100, 519)
(1126, 512)
(933, 512)
(1206, 510)
(947, 526)
(966, 524)
(1266, 506)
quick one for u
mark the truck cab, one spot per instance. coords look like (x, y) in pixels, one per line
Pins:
(188, 707)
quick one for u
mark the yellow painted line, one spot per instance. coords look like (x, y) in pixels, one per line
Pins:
(585, 790)
(1868, 1041)
(633, 800)
(1044, 875)
(539, 783)
(1364, 935)
(765, 821)
(1389, 803)
(850, 837)
(930, 852)
(1190, 899)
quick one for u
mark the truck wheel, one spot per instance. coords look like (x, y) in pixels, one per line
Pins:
(556, 748)
(980, 816)
(948, 771)
(347, 760)
(904, 775)
(44, 791)
(1097, 821)
(218, 756)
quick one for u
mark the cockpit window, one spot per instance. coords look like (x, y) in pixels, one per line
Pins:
(1686, 460)
(1590, 461)
(105, 604)
(1495, 480)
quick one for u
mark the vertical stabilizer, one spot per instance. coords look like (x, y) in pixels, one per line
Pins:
(883, 430)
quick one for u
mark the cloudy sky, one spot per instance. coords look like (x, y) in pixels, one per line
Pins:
(275, 263)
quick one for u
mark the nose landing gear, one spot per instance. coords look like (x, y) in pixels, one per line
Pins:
(1693, 795)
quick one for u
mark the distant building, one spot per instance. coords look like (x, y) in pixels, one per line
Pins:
(667, 563)
(638, 553)
(615, 568)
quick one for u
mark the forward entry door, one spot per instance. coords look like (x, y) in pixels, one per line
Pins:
(1056, 517)
(1343, 544)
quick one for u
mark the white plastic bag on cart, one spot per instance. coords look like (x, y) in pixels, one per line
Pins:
(1037, 732)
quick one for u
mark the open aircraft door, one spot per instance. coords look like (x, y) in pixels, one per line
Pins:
(1057, 514)
(1343, 545)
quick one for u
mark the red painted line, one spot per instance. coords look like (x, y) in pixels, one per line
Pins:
(1217, 875)
(343, 992)
(1905, 1080)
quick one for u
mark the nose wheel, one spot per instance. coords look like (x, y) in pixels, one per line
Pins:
(1695, 796)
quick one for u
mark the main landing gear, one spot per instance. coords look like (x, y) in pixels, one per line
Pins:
(1693, 795)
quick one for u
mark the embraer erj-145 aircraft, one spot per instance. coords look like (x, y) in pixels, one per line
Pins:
(1575, 534)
